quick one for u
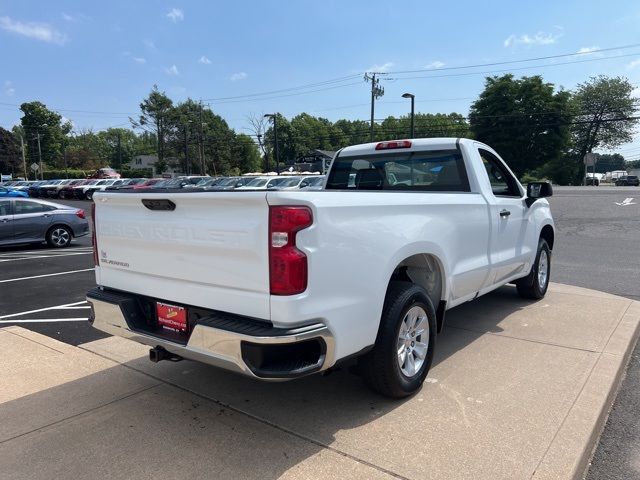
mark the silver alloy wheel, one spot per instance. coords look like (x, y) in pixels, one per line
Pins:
(543, 269)
(413, 341)
(60, 237)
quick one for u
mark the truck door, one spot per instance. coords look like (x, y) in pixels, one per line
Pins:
(509, 251)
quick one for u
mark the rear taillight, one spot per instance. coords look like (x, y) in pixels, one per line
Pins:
(94, 240)
(80, 214)
(287, 264)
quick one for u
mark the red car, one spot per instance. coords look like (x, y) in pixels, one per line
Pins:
(148, 184)
(106, 172)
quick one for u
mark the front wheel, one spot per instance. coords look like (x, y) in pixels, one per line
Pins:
(534, 286)
(89, 195)
(59, 237)
(403, 352)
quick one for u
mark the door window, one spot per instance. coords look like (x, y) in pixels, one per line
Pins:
(5, 208)
(503, 183)
(23, 207)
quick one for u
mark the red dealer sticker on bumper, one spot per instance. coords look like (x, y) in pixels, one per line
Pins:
(172, 316)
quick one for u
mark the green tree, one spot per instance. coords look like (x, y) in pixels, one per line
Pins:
(156, 116)
(608, 163)
(40, 122)
(525, 120)
(118, 146)
(604, 109)
(10, 154)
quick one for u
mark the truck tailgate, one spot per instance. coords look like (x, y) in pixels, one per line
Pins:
(211, 251)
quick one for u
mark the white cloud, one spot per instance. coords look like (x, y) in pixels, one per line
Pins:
(80, 17)
(37, 31)
(435, 65)
(140, 60)
(590, 51)
(540, 38)
(204, 60)
(8, 88)
(172, 70)
(633, 64)
(380, 68)
(238, 76)
(176, 15)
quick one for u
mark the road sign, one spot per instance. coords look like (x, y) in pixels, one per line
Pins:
(35, 167)
(590, 159)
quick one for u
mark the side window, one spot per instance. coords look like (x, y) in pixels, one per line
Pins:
(5, 207)
(23, 207)
(503, 184)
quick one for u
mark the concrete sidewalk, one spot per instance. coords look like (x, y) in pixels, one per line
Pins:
(518, 390)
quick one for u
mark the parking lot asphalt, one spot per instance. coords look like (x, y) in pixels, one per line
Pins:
(43, 289)
(598, 229)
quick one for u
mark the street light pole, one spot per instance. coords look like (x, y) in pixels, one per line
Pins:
(186, 151)
(24, 160)
(40, 156)
(413, 98)
(274, 117)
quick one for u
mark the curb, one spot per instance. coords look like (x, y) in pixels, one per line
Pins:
(569, 454)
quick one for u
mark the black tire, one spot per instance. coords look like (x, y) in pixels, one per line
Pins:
(89, 195)
(59, 236)
(380, 367)
(530, 287)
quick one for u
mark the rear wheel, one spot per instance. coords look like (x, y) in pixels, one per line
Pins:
(534, 285)
(59, 236)
(89, 194)
(403, 352)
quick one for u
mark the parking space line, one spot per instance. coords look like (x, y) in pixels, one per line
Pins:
(2, 260)
(45, 251)
(55, 307)
(45, 275)
(45, 320)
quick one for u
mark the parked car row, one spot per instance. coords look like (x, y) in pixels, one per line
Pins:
(83, 189)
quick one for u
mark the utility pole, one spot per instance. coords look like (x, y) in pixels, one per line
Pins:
(40, 156)
(203, 165)
(376, 92)
(274, 116)
(119, 152)
(24, 160)
(264, 152)
(186, 151)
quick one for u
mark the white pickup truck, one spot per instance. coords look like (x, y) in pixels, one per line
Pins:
(282, 284)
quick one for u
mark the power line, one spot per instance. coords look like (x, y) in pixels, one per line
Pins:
(534, 59)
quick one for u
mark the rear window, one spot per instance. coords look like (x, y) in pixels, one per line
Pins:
(429, 171)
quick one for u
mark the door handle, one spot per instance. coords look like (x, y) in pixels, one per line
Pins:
(46, 215)
(504, 213)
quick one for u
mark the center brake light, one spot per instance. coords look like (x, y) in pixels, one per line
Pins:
(94, 239)
(287, 264)
(393, 145)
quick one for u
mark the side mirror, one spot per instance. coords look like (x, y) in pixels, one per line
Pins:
(304, 184)
(536, 190)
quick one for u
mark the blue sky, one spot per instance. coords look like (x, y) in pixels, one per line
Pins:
(95, 61)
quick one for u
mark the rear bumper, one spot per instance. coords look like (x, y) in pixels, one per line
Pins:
(251, 347)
